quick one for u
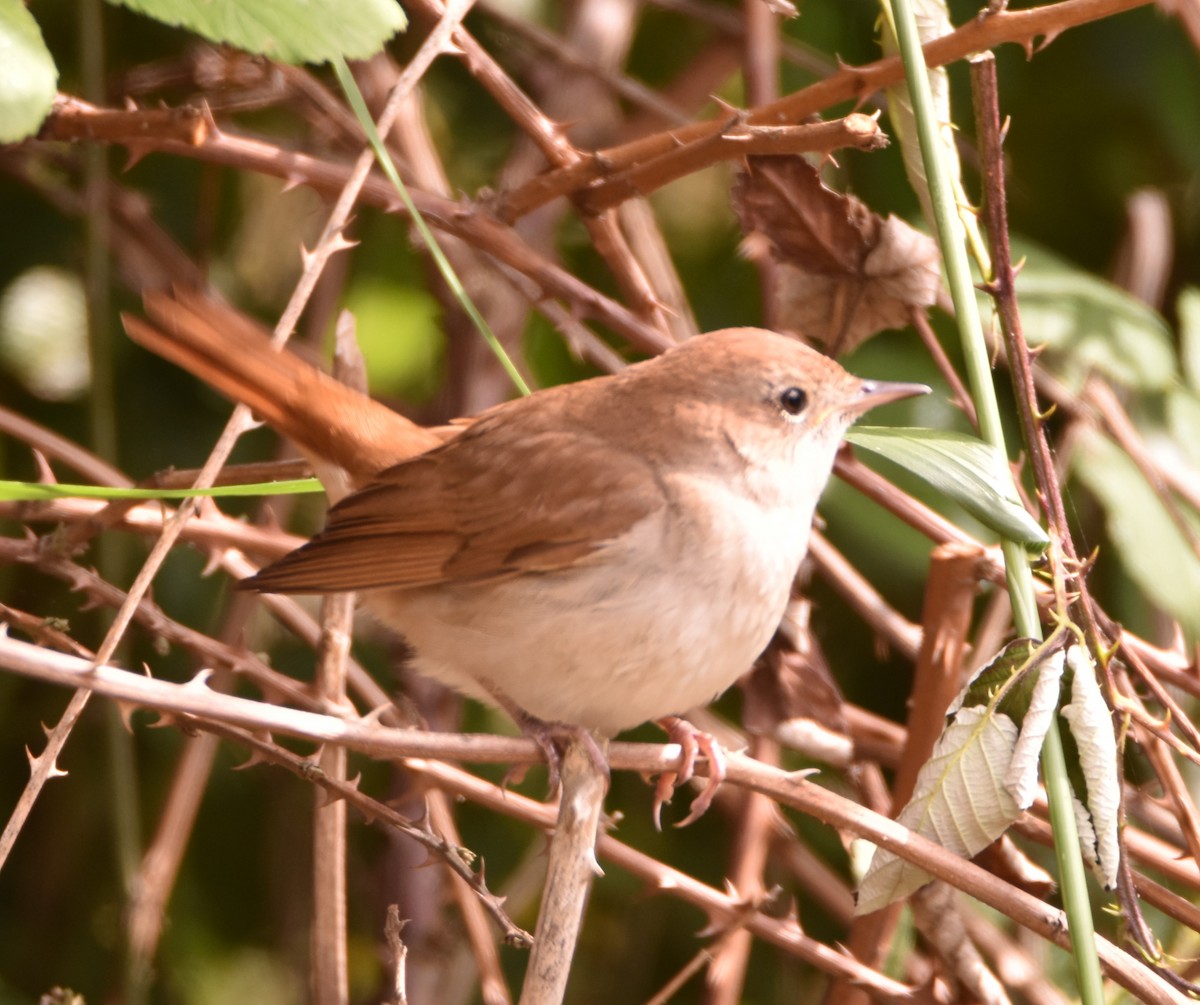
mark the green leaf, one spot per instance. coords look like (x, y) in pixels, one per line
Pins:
(1188, 309)
(400, 333)
(965, 469)
(1089, 325)
(28, 76)
(1158, 556)
(1182, 412)
(35, 492)
(292, 31)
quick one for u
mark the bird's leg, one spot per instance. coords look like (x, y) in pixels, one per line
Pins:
(549, 736)
(691, 741)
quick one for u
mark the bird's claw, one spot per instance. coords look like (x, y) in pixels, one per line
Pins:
(691, 741)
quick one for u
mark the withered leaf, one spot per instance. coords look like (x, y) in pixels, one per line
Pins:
(792, 695)
(847, 273)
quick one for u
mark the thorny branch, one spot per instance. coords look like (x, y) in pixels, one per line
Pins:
(594, 182)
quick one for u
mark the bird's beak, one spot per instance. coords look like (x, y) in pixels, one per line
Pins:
(879, 392)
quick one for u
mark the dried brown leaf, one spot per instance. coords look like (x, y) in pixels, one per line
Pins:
(847, 273)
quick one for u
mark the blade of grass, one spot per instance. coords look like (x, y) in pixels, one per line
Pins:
(38, 492)
(449, 276)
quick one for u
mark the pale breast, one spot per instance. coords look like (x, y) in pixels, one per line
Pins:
(660, 621)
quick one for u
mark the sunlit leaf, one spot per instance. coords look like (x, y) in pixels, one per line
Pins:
(28, 76)
(292, 31)
(1188, 309)
(1183, 422)
(1153, 548)
(965, 469)
(1088, 325)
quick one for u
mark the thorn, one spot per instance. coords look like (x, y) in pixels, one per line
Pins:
(136, 151)
(54, 771)
(45, 475)
(339, 242)
(166, 720)
(126, 709)
(211, 564)
(329, 796)
(254, 757)
(374, 716)
(200, 681)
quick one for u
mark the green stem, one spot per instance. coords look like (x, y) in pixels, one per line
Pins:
(449, 276)
(1019, 577)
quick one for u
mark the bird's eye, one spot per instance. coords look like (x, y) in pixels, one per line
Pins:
(793, 400)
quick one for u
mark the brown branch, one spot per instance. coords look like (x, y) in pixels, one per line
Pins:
(607, 186)
(569, 875)
(848, 84)
(477, 228)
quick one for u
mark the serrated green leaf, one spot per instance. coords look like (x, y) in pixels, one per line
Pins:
(965, 469)
(1153, 549)
(291, 31)
(1088, 325)
(1098, 802)
(1013, 660)
(28, 76)
(36, 492)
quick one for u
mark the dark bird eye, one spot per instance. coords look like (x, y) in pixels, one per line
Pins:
(793, 400)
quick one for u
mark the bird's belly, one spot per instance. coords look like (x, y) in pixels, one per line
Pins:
(658, 626)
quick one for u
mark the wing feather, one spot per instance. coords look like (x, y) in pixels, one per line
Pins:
(456, 515)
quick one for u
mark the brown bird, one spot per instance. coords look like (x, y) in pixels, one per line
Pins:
(598, 554)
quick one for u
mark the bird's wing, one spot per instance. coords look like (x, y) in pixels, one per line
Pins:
(455, 514)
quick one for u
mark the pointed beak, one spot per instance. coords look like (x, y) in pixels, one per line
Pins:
(879, 392)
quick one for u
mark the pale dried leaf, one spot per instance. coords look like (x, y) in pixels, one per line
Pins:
(1022, 777)
(1097, 813)
(983, 771)
(959, 801)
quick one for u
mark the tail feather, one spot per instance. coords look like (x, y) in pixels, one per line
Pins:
(330, 422)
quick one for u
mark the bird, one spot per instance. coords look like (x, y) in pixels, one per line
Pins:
(592, 557)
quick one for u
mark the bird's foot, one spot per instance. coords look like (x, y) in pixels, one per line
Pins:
(692, 741)
(552, 738)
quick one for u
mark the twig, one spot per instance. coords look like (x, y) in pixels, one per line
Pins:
(328, 966)
(569, 876)
(453, 857)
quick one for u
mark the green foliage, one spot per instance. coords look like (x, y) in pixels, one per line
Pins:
(1157, 546)
(292, 31)
(1087, 324)
(964, 469)
(28, 76)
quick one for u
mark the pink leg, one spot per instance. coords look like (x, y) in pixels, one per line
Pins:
(691, 740)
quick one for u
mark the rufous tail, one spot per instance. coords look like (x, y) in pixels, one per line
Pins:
(233, 354)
